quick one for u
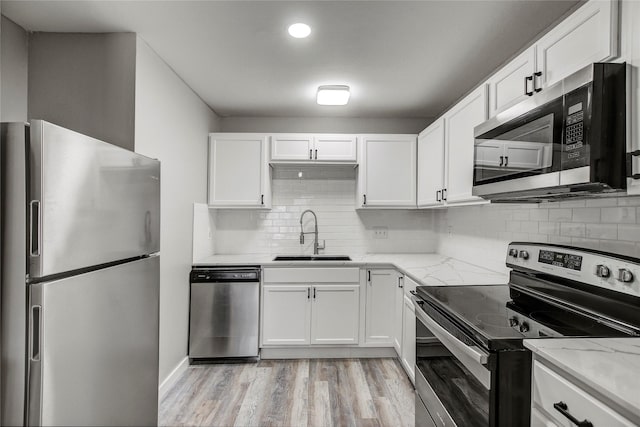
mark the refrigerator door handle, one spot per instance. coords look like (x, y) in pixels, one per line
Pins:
(34, 227)
(35, 332)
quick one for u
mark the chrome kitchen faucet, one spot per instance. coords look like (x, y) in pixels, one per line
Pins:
(316, 246)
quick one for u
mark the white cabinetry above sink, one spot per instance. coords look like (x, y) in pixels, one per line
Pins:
(313, 148)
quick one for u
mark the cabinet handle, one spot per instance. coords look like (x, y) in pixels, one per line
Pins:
(506, 160)
(438, 196)
(308, 293)
(316, 154)
(262, 199)
(537, 88)
(564, 410)
(528, 79)
(400, 282)
(310, 154)
(364, 199)
(501, 160)
(314, 292)
(444, 194)
(369, 276)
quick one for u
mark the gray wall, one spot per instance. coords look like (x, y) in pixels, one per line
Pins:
(85, 82)
(324, 124)
(172, 125)
(13, 72)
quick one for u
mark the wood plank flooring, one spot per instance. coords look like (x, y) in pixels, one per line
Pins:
(315, 392)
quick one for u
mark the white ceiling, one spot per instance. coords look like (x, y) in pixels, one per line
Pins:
(401, 58)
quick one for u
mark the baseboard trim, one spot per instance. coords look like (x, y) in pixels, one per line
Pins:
(171, 379)
(326, 352)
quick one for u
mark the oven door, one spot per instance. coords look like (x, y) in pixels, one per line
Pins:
(452, 378)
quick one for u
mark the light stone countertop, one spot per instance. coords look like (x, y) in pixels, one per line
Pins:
(609, 366)
(426, 269)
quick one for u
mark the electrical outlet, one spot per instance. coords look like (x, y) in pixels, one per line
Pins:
(380, 232)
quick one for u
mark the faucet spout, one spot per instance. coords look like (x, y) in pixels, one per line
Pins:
(316, 245)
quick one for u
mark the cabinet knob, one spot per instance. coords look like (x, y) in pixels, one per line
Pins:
(625, 275)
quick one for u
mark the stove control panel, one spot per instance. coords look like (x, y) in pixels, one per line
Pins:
(528, 327)
(605, 270)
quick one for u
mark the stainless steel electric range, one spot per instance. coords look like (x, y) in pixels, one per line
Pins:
(471, 366)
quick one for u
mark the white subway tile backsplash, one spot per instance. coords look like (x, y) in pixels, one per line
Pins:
(586, 215)
(602, 231)
(564, 214)
(610, 224)
(572, 229)
(618, 215)
(332, 197)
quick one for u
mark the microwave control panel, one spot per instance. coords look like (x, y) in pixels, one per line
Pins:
(575, 152)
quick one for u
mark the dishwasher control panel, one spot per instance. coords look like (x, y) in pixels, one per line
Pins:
(213, 275)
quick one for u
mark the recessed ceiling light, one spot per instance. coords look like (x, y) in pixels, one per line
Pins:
(299, 30)
(333, 95)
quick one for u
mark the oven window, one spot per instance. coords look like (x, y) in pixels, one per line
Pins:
(526, 146)
(462, 395)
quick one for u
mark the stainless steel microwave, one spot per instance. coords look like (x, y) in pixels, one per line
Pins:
(567, 140)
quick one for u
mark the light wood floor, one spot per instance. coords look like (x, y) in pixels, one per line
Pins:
(316, 392)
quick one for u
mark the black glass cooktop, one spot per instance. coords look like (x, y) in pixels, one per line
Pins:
(482, 313)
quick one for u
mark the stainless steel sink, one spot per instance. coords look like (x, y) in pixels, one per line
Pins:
(312, 258)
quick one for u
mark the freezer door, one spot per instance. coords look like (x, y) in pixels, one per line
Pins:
(90, 202)
(93, 348)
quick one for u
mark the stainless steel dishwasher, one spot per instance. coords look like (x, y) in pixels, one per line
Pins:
(223, 316)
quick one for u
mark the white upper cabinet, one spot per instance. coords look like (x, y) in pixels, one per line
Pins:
(512, 83)
(292, 147)
(238, 171)
(387, 171)
(310, 148)
(588, 35)
(335, 148)
(431, 165)
(459, 140)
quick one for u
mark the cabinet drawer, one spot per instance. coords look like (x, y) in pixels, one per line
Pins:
(549, 388)
(311, 275)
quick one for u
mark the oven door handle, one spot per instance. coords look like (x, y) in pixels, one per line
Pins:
(447, 339)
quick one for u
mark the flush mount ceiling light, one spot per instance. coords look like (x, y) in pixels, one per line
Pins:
(299, 30)
(333, 95)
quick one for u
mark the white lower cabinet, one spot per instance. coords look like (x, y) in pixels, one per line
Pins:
(310, 306)
(286, 315)
(398, 316)
(556, 397)
(335, 314)
(409, 337)
(380, 313)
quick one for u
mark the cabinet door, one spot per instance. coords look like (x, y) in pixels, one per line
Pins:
(389, 171)
(237, 170)
(398, 302)
(381, 290)
(286, 314)
(291, 147)
(335, 148)
(588, 35)
(431, 165)
(509, 85)
(335, 314)
(409, 338)
(459, 124)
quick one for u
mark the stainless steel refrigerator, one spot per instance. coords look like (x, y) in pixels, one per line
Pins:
(80, 231)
